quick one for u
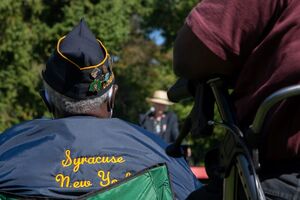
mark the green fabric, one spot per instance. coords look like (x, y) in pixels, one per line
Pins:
(3, 197)
(152, 184)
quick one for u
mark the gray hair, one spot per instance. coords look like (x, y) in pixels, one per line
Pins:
(68, 105)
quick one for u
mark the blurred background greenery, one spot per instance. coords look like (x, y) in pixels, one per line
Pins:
(143, 62)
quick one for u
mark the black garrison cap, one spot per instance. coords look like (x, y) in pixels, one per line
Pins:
(80, 67)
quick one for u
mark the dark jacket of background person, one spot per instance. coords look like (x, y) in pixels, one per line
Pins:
(169, 125)
(257, 44)
(158, 119)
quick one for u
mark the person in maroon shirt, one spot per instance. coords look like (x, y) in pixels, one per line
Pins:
(257, 44)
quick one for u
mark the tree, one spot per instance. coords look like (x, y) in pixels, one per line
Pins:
(30, 31)
(168, 16)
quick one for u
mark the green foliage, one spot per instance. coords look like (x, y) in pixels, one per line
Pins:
(169, 16)
(30, 31)
(18, 72)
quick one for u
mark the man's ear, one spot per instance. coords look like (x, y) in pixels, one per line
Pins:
(46, 100)
(115, 89)
(111, 98)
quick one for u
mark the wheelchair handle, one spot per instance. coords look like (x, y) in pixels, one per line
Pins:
(269, 102)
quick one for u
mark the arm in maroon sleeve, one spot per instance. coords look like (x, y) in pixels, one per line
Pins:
(219, 35)
(193, 60)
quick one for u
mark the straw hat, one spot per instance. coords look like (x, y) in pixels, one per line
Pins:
(161, 97)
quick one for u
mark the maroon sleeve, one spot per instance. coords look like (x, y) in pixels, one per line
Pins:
(232, 26)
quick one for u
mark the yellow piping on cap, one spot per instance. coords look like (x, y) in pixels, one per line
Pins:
(82, 68)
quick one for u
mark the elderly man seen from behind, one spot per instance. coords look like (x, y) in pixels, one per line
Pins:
(82, 144)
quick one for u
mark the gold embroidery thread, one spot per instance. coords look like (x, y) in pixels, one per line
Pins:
(91, 160)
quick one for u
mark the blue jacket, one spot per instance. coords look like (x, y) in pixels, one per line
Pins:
(68, 157)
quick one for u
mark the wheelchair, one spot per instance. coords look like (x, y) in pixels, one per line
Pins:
(238, 155)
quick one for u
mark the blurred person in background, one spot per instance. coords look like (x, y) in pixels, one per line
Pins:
(159, 119)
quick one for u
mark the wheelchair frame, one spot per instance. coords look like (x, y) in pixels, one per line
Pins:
(239, 164)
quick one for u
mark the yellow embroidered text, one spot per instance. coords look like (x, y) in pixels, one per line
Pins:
(105, 178)
(65, 182)
(127, 174)
(91, 160)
